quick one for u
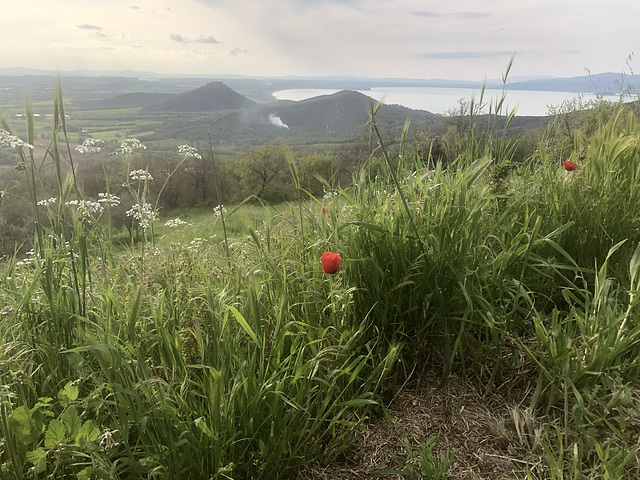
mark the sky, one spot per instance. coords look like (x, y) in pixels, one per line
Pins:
(457, 40)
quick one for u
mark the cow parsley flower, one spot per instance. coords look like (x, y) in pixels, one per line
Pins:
(219, 210)
(143, 213)
(141, 175)
(188, 151)
(47, 202)
(8, 140)
(85, 208)
(106, 198)
(90, 145)
(175, 222)
(129, 145)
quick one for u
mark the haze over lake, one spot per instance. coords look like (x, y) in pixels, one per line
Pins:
(439, 100)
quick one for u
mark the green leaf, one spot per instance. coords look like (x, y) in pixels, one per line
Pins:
(25, 426)
(241, 320)
(39, 459)
(71, 422)
(88, 433)
(55, 434)
(89, 472)
(358, 402)
(68, 394)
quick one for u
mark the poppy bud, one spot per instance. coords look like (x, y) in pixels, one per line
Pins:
(324, 209)
(331, 262)
(568, 165)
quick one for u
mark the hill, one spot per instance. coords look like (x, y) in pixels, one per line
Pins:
(326, 119)
(210, 97)
(601, 84)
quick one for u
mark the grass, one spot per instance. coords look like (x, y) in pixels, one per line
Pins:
(185, 356)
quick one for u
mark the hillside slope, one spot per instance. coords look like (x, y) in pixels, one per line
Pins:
(210, 97)
(326, 119)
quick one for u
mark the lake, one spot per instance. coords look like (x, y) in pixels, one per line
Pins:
(439, 100)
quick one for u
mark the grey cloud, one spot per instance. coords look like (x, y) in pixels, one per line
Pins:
(209, 39)
(178, 38)
(460, 15)
(237, 51)
(86, 26)
(458, 55)
(201, 39)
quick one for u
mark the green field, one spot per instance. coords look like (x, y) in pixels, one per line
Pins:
(219, 348)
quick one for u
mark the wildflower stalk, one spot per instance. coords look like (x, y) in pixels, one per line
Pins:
(217, 185)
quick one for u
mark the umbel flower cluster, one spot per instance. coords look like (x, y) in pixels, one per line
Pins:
(143, 213)
(188, 151)
(8, 140)
(90, 145)
(141, 175)
(129, 145)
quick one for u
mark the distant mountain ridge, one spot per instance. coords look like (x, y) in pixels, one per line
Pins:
(605, 83)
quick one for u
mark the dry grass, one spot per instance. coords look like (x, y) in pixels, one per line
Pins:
(491, 436)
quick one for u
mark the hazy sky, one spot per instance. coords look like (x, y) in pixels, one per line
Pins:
(463, 39)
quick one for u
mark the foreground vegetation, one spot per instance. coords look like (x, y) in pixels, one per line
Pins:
(219, 348)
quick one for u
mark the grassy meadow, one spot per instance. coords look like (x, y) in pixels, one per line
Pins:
(215, 346)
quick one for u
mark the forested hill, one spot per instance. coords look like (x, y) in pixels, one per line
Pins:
(212, 96)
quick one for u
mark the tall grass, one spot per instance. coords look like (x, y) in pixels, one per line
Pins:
(242, 359)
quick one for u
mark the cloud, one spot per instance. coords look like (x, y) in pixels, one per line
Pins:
(178, 38)
(458, 55)
(86, 26)
(460, 15)
(209, 39)
(237, 51)
(201, 39)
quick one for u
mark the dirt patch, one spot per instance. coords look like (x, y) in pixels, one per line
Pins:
(488, 436)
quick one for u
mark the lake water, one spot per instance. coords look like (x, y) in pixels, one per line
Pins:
(439, 100)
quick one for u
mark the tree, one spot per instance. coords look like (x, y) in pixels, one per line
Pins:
(257, 169)
(315, 167)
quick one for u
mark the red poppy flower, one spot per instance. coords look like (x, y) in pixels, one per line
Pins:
(568, 165)
(324, 209)
(331, 262)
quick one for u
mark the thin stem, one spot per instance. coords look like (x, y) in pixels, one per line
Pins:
(217, 185)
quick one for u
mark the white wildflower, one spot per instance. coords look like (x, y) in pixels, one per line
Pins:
(188, 151)
(90, 145)
(219, 210)
(109, 199)
(328, 194)
(8, 140)
(85, 208)
(141, 175)
(143, 213)
(129, 145)
(196, 243)
(47, 202)
(175, 222)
